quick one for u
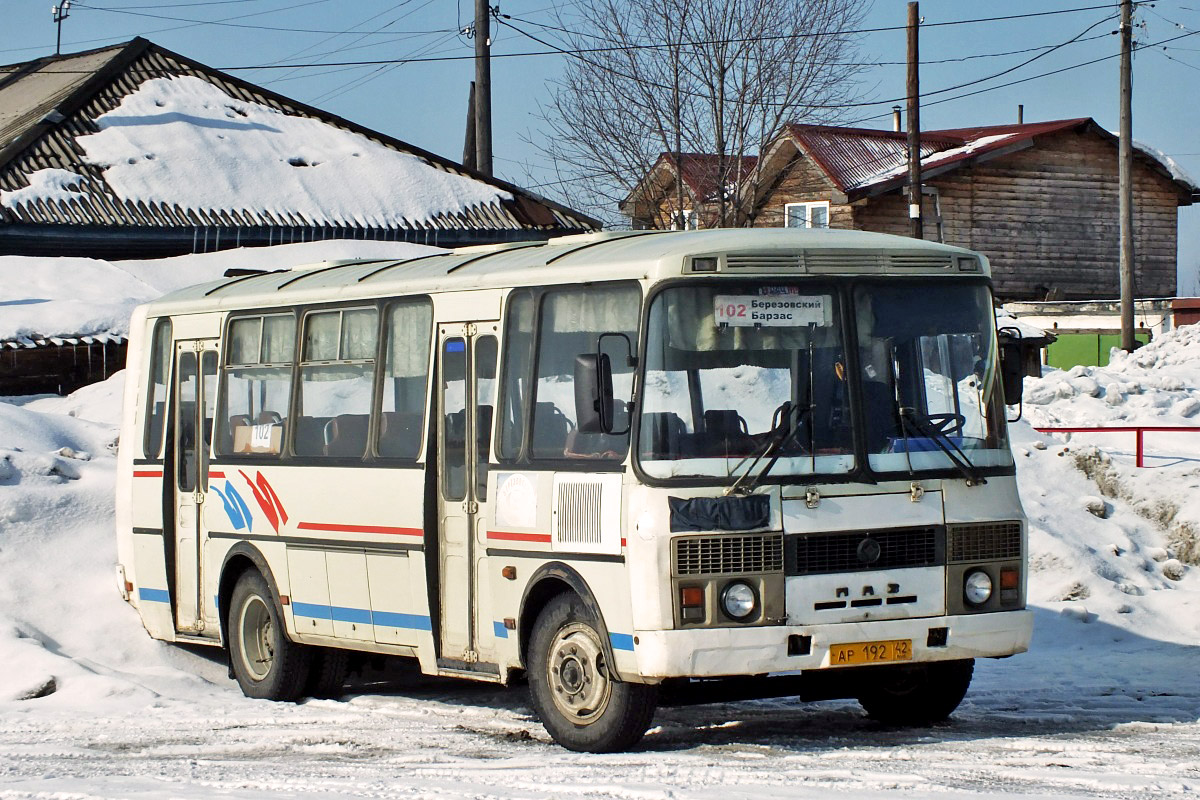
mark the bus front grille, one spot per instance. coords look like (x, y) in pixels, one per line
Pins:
(861, 551)
(728, 555)
(984, 541)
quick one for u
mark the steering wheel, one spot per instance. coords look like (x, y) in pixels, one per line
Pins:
(942, 424)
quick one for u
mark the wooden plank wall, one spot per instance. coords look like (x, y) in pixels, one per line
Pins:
(1047, 219)
(803, 181)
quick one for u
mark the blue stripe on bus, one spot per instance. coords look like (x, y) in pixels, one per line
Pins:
(500, 630)
(153, 595)
(621, 641)
(362, 616)
(391, 619)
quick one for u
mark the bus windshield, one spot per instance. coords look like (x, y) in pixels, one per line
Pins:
(930, 382)
(738, 370)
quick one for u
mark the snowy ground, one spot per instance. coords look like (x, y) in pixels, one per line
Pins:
(1106, 704)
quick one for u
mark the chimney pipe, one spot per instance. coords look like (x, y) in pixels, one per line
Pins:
(896, 118)
(1020, 114)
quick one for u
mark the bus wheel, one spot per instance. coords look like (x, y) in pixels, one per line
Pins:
(574, 689)
(267, 664)
(327, 672)
(918, 695)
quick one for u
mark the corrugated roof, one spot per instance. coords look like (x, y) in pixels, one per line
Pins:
(83, 87)
(863, 161)
(850, 157)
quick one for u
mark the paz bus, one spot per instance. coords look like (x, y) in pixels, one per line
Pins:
(623, 467)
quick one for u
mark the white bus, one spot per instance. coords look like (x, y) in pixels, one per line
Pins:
(627, 467)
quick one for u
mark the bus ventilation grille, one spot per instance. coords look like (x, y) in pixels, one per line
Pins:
(578, 512)
(984, 541)
(863, 551)
(770, 260)
(919, 261)
(728, 555)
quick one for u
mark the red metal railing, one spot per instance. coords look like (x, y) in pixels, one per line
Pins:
(1140, 430)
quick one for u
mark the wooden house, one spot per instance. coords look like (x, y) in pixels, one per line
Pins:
(1039, 199)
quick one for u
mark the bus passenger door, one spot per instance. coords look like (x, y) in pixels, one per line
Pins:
(466, 397)
(195, 396)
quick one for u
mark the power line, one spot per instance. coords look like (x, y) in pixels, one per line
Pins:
(232, 24)
(924, 62)
(656, 46)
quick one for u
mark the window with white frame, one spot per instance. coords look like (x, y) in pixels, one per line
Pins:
(690, 221)
(806, 215)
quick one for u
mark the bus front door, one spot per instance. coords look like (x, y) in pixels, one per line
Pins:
(467, 387)
(195, 396)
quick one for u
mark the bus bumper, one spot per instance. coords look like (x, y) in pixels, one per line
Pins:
(715, 652)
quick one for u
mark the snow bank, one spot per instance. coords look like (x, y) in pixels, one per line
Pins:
(1156, 385)
(67, 640)
(44, 297)
(186, 142)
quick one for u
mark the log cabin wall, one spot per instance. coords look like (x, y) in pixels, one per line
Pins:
(802, 181)
(1047, 218)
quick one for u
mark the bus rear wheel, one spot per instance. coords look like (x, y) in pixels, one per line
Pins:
(918, 695)
(575, 692)
(267, 664)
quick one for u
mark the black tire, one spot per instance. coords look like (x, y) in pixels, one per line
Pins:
(918, 695)
(327, 672)
(574, 691)
(266, 664)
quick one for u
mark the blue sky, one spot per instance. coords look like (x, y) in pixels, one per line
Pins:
(425, 102)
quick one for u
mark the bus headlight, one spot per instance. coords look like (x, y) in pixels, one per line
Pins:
(977, 588)
(738, 600)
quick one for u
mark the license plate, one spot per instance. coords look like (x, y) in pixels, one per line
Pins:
(870, 652)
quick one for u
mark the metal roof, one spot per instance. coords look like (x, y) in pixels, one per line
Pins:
(862, 161)
(45, 104)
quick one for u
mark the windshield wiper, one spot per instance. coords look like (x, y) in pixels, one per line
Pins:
(910, 420)
(783, 428)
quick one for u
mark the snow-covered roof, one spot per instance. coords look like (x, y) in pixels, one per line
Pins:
(153, 139)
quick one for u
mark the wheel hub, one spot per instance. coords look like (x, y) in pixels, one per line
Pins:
(257, 634)
(578, 674)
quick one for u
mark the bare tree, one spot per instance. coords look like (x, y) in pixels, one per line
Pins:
(664, 90)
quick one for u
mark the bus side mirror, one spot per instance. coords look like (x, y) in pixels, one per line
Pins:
(1011, 371)
(594, 409)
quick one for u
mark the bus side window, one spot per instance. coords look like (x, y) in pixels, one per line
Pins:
(407, 332)
(337, 381)
(256, 385)
(156, 397)
(571, 322)
(515, 380)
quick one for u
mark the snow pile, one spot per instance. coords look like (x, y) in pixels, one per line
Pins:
(1156, 385)
(66, 638)
(47, 297)
(183, 141)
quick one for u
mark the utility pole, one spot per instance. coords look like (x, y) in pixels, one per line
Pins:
(916, 229)
(483, 87)
(1125, 171)
(469, 140)
(60, 13)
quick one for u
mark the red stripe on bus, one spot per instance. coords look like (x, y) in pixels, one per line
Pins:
(520, 537)
(147, 473)
(332, 526)
(212, 475)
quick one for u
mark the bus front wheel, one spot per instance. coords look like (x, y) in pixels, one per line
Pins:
(267, 664)
(918, 695)
(575, 692)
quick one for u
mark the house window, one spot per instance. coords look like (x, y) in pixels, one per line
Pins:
(806, 215)
(690, 221)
